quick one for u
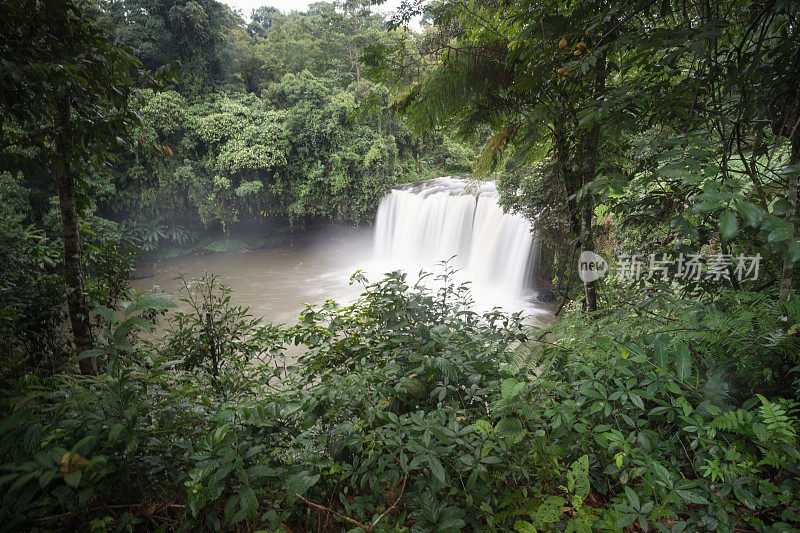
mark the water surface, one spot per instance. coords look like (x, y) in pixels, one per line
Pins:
(276, 284)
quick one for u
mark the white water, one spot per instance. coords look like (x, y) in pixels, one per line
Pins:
(421, 224)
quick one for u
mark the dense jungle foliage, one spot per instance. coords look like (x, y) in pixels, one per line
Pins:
(661, 135)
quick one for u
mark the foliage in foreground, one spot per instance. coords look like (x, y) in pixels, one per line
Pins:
(406, 411)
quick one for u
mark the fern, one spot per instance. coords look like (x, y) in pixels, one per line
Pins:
(779, 426)
(733, 421)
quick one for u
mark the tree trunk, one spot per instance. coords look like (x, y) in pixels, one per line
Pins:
(788, 267)
(592, 146)
(587, 244)
(76, 300)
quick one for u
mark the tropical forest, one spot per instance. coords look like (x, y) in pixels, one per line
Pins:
(399, 266)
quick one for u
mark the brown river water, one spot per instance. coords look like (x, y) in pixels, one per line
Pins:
(276, 284)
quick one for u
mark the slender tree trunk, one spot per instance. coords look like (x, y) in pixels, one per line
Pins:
(76, 300)
(592, 146)
(788, 267)
(573, 183)
(587, 244)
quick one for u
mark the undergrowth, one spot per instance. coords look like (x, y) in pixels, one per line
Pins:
(408, 411)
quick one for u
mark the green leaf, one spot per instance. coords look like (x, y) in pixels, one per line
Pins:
(230, 507)
(437, 469)
(637, 400)
(691, 497)
(156, 302)
(779, 234)
(632, 497)
(760, 431)
(683, 361)
(660, 353)
(524, 527)
(717, 196)
(302, 481)
(510, 388)
(791, 170)
(781, 206)
(130, 324)
(73, 478)
(703, 207)
(793, 252)
(550, 510)
(751, 213)
(105, 312)
(673, 170)
(728, 225)
(578, 477)
(510, 428)
(115, 432)
(94, 352)
(259, 471)
(248, 503)
(451, 525)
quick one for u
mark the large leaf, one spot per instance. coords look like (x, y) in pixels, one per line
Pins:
(248, 505)
(551, 510)
(660, 353)
(781, 206)
(728, 225)
(632, 497)
(302, 481)
(510, 388)
(793, 253)
(683, 361)
(156, 302)
(510, 428)
(437, 469)
(779, 234)
(751, 213)
(130, 324)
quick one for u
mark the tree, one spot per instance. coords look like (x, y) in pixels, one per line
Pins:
(193, 32)
(261, 20)
(535, 73)
(64, 102)
(625, 103)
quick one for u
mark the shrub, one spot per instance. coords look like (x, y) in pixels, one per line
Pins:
(406, 411)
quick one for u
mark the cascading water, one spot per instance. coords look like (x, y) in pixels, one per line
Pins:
(423, 223)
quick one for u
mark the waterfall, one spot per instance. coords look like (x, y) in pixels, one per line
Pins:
(422, 223)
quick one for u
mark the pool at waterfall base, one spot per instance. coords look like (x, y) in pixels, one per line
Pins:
(417, 226)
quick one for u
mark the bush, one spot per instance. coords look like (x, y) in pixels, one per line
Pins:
(406, 411)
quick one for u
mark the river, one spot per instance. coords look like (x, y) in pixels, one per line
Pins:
(416, 226)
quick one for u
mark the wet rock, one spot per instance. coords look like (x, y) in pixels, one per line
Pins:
(543, 295)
